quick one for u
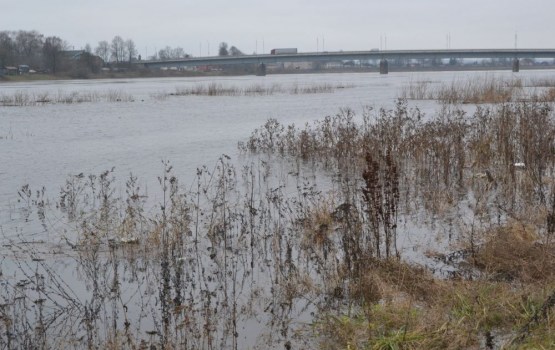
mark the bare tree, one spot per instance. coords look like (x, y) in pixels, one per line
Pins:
(7, 49)
(165, 53)
(169, 53)
(103, 50)
(178, 52)
(131, 49)
(118, 49)
(223, 49)
(52, 53)
(233, 51)
(29, 46)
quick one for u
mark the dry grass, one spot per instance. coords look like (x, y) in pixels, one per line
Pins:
(392, 279)
(417, 90)
(514, 253)
(485, 90)
(24, 98)
(319, 224)
(215, 89)
(540, 82)
(509, 305)
(405, 307)
(547, 95)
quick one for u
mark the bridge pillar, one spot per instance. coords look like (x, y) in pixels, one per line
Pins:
(261, 70)
(384, 66)
(516, 65)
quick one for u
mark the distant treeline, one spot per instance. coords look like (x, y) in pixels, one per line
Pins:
(45, 54)
(54, 55)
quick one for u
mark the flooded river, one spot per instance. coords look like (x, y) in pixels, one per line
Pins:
(41, 145)
(217, 292)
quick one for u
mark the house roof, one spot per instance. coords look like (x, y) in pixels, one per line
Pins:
(73, 54)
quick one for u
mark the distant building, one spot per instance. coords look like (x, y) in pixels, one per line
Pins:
(527, 62)
(74, 55)
(8, 70)
(298, 65)
(23, 69)
(333, 65)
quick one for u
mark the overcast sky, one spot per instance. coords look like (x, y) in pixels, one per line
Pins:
(257, 25)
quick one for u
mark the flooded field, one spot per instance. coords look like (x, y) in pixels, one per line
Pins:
(245, 212)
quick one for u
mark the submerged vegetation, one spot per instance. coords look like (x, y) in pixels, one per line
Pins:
(215, 89)
(478, 91)
(23, 98)
(483, 183)
(388, 229)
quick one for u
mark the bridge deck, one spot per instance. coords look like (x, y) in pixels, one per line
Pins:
(355, 55)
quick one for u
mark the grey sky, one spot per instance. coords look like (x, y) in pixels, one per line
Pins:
(247, 24)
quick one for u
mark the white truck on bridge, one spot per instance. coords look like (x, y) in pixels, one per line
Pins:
(287, 51)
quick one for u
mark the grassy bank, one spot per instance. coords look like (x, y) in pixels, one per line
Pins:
(402, 306)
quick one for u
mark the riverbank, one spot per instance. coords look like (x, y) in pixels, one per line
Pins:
(131, 74)
(111, 75)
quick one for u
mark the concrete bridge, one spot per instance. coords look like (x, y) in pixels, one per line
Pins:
(383, 56)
